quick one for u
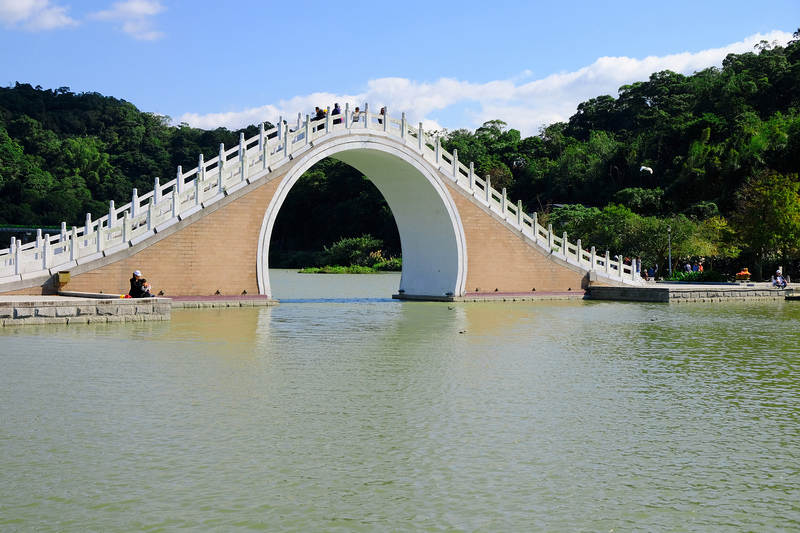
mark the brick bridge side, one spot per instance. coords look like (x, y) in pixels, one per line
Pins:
(216, 252)
(499, 258)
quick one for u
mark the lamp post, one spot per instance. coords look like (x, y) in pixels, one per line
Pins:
(669, 244)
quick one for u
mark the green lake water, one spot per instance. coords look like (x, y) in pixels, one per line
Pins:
(343, 410)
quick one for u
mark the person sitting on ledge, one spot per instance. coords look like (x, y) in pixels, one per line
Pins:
(139, 286)
(778, 280)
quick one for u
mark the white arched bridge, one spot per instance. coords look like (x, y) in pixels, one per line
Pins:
(208, 230)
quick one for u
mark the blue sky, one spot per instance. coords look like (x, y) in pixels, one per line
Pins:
(447, 64)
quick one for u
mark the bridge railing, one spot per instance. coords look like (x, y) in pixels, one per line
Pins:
(251, 159)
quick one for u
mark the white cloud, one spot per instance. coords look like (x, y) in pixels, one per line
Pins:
(34, 15)
(524, 106)
(135, 18)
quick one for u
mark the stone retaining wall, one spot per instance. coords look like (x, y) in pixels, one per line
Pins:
(82, 310)
(207, 304)
(689, 294)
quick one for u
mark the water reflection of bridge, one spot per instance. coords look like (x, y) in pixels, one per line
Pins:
(458, 234)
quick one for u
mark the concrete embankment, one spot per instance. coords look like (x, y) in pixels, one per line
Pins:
(651, 292)
(222, 300)
(691, 292)
(81, 309)
(86, 308)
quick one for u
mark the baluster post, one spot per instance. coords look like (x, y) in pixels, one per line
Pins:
(385, 116)
(198, 188)
(421, 137)
(18, 258)
(87, 230)
(438, 150)
(608, 262)
(367, 118)
(327, 119)
(504, 203)
(264, 149)
(579, 251)
(126, 227)
(348, 120)
(242, 157)
(307, 135)
(471, 176)
(101, 237)
(176, 204)
(550, 241)
(151, 214)
(286, 141)
(73, 245)
(112, 214)
(201, 169)
(403, 126)
(564, 242)
(593, 259)
(519, 213)
(38, 238)
(220, 165)
(135, 203)
(488, 191)
(47, 253)
(455, 164)
(179, 180)
(64, 231)
(157, 191)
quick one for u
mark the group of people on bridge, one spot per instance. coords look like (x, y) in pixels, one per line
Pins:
(320, 114)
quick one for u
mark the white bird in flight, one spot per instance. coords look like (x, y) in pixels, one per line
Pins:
(648, 169)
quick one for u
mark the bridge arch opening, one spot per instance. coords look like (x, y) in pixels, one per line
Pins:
(330, 202)
(431, 234)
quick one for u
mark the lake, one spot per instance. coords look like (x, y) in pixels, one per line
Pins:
(344, 410)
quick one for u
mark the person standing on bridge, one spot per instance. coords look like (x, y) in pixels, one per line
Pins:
(356, 114)
(319, 115)
(336, 111)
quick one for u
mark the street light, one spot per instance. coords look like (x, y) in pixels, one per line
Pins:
(669, 243)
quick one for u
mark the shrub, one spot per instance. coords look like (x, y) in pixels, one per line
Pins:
(707, 276)
(352, 251)
(393, 264)
(328, 269)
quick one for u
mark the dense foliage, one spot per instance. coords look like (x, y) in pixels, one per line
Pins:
(704, 166)
(712, 157)
(63, 155)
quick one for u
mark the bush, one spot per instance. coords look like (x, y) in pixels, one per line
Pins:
(393, 264)
(353, 251)
(707, 276)
(338, 270)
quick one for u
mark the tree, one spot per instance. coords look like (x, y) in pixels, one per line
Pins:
(767, 218)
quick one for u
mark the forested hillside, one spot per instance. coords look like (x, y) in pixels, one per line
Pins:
(63, 155)
(712, 156)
